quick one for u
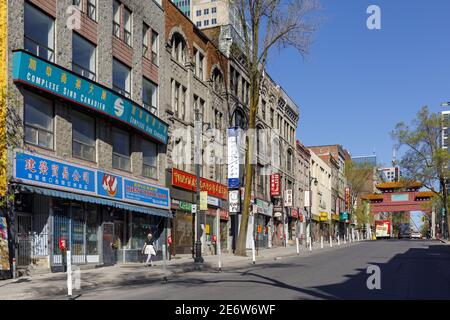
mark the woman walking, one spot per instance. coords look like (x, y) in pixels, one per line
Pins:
(149, 250)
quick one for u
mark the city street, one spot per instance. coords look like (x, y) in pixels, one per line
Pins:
(410, 269)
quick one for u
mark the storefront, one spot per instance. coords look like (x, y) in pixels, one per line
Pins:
(315, 219)
(343, 223)
(183, 191)
(324, 225)
(263, 223)
(102, 218)
(334, 225)
(292, 225)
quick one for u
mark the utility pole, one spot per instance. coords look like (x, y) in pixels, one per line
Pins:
(197, 160)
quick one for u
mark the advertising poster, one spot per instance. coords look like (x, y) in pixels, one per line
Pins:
(4, 250)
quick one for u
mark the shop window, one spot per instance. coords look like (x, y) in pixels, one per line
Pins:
(150, 159)
(39, 114)
(39, 33)
(150, 96)
(141, 226)
(121, 78)
(83, 136)
(83, 57)
(121, 150)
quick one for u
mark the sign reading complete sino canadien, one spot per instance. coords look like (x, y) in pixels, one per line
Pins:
(36, 72)
(46, 172)
(188, 181)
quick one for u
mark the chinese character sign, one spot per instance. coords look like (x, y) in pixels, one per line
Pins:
(275, 184)
(46, 172)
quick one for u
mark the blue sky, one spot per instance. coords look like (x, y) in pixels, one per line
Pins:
(356, 84)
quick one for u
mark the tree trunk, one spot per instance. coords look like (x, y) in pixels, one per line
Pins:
(241, 249)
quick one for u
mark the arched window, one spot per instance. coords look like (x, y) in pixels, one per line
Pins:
(239, 119)
(275, 148)
(261, 142)
(178, 48)
(217, 80)
(289, 161)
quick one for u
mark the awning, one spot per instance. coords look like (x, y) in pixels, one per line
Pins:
(97, 200)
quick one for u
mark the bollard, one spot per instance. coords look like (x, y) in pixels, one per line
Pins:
(164, 262)
(339, 240)
(310, 244)
(296, 242)
(253, 251)
(331, 243)
(69, 274)
(321, 242)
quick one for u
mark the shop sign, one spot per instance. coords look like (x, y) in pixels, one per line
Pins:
(186, 206)
(294, 213)
(203, 200)
(233, 201)
(263, 207)
(288, 198)
(233, 159)
(343, 216)
(259, 228)
(301, 217)
(275, 184)
(324, 216)
(213, 201)
(223, 214)
(194, 208)
(315, 217)
(46, 172)
(46, 76)
(335, 217)
(347, 198)
(277, 209)
(188, 181)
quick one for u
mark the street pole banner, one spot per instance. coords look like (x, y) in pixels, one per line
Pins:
(233, 159)
(4, 250)
(288, 198)
(203, 200)
(233, 200)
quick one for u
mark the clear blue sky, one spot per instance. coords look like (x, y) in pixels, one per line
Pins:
(356, 84)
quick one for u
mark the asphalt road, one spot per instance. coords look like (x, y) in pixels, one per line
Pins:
(409, 269)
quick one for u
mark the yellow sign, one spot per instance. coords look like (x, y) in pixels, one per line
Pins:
(3, 91)
(203, 200)
(335, 217)
(207, 229)
(315, 217)
(323, 216)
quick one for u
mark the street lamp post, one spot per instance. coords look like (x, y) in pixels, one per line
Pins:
(310, 205)
(198, 127)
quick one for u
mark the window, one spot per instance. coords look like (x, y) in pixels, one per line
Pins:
(213, 10)
(198, 13)
(217, 80)
(127, 21)
(83, 57)
(178, 48)
(39, 121)
(199, 24)
(122, 29)
(155, 47)
(91, 9)
(145, 31)
(182, 108)
(218, 119)
(83, 136)
(39, 33)
(263, 109)
(206, 11)
(176, 97)
(150, 96)
(239, 119)
(206, 23)
(121, 78)
(213, 21)
(116, 20)
(121, 150)
(150, 159)
(272, 112)
(234, 81)
(77, 3)
(289, 161)
(199, 61)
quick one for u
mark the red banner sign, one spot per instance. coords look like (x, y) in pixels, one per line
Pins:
(294, 213)
(347, 198)
(275, 184)
(188, 181)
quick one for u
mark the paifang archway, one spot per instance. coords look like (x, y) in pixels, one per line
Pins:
(399, 197)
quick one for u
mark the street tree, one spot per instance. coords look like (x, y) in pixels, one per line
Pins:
(424, 159)
(267, 25)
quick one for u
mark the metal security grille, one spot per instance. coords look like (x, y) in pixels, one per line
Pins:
(24, 240)
(61, 231)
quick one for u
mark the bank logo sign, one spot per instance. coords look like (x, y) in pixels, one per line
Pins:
(31, 70)
(46, 172)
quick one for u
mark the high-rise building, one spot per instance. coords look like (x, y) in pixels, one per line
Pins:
(185, 6)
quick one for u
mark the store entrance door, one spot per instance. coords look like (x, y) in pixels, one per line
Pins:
(108, 240)
(24, 239)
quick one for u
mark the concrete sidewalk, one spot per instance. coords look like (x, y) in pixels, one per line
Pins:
(51, 285)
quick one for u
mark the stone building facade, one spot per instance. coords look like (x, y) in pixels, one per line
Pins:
(86, 86)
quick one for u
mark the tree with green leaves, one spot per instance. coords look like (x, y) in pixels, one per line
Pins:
(424, 159)
(266, 25)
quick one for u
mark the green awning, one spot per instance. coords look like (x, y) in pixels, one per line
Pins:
(98, 200)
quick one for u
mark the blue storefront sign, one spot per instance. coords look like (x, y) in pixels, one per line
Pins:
(36, 72)
(109, 185)
(42, 171)
(142, 193)
(343, 216)
(46, 172)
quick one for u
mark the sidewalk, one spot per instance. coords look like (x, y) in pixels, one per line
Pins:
(48, 286)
